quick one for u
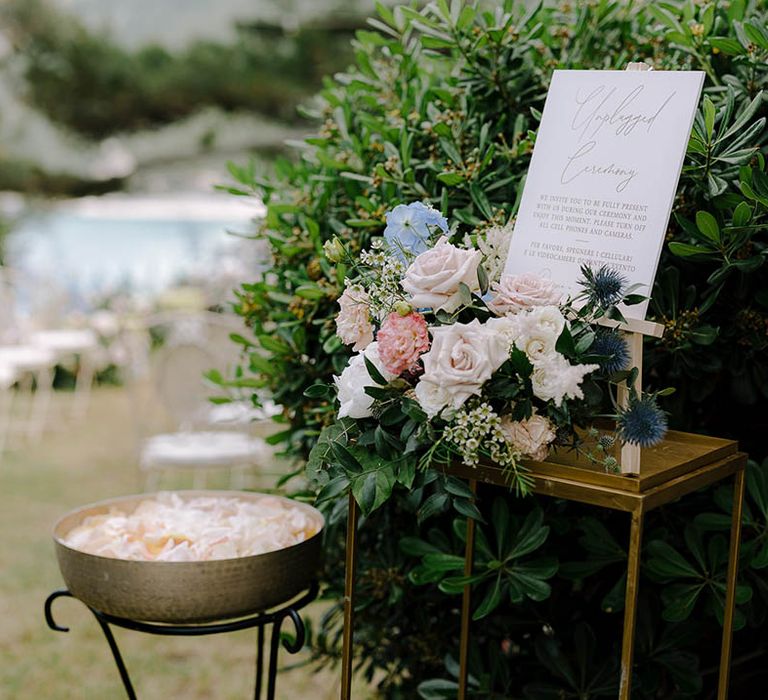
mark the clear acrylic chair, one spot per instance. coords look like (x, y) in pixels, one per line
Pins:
(171, 352)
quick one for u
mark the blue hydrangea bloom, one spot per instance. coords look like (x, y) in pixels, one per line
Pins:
(409, 227)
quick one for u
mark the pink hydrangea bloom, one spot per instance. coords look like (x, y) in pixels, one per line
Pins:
(402, 340)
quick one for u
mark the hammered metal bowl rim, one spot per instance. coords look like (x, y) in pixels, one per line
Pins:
(57, 537)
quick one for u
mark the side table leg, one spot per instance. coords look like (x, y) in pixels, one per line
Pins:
(730, 594)
(630, 604)
(349, 599)
(466, 603)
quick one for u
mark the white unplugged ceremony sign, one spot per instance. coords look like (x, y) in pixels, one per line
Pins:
(603, 175)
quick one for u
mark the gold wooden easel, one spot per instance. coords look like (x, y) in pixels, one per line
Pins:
(648, 478)
(681, 464)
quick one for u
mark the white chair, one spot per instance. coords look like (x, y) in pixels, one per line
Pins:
(31, 342)
(78, 345)
(171, 382)
(31, 366)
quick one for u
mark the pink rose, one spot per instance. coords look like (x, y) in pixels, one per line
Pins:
(530, 437)
(433, 278)
(353, 323)
(402, 340)
(516, 293)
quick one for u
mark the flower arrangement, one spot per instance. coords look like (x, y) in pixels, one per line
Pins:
(455, 360)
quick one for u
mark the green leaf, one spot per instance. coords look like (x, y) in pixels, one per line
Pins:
(436, 503)
(490, 602)
(416, 547)
(756, 35)
(742, 214)
(440, 561)
(450, 150)
(333, 488)
(468, 509)
(709, 117)
(565, 344)
(679, 601)
(707, 224)
(317, 391)
(730, 47)
(458, 487)
(482, 280)
(438, 689)
(685, 250)
(667, 563)
(481, 201)
(385, 482)
(465, 294)
(531, 535)
(345, 458)
(364, 491)
(450, 178)
(374, 373)
(310, 291)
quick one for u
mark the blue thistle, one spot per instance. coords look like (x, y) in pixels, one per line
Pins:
(605, 288)
(642, 422)
(613, 350)
(606, 441)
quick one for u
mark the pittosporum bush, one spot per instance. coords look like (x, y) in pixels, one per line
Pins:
(442, 106)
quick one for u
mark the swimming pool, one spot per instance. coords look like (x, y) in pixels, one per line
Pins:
(99, 246)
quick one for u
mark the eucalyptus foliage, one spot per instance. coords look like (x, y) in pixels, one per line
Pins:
(442, 105)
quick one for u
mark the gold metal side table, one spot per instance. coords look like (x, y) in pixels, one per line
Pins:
(681, 464)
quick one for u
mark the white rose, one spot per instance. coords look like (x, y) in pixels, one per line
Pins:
(462, 358)
(433, 278)
(556, 379)
(432, 397)
(350, 386)
(516, 293)
(353, 323)
(538, 331)
(506, 327)
(530, 437)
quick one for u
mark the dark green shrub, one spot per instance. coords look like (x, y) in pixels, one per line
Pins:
(442, 104)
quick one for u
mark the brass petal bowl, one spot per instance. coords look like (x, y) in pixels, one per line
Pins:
(186, 592)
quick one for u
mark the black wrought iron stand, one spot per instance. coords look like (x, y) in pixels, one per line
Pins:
(259, 621)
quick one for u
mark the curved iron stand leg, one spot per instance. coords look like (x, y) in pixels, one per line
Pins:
(61, 593)
(260, 621)
(117, 656)
(259, 663)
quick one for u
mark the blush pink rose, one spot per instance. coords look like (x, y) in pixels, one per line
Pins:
(402, 340)
(433, 279)
(353, 323)
(516, 293)
(462, 358)
(530, 437)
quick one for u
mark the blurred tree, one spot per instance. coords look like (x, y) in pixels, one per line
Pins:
(87, 83)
